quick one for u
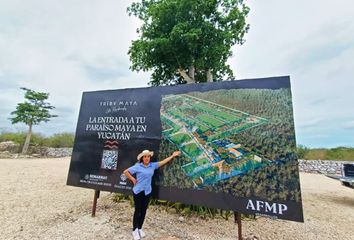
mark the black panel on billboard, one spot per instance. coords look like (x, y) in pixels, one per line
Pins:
(237, 141)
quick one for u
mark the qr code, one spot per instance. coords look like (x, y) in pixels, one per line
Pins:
(109, 159)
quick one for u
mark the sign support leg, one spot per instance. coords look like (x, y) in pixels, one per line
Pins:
(96, 196)
(237, 216)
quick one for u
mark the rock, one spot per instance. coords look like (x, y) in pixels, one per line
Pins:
(321, 166)
(181, 219)
(5, 154)
(10, 150)
(9, 146)
(58, 152)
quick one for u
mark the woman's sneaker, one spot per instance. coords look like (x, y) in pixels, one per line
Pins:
(136, 235)
(141, 232)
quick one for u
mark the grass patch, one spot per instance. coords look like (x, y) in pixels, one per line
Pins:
(336, 154)
(55, 141)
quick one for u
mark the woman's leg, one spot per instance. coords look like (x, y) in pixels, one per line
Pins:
(138, 203)
(144, 206)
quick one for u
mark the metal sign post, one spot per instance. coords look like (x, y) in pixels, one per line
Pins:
(96, 196)
(237, 216)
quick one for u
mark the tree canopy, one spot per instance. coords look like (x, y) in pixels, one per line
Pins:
(32, 112)
(187, 41)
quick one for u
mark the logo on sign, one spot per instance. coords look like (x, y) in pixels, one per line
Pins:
(266, 207)
(123, 179)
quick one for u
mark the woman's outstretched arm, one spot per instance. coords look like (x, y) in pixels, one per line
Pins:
(166, 160)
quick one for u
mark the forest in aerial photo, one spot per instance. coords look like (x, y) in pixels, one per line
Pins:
(235, 141)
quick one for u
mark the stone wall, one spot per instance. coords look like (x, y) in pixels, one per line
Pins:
(9, 146)
(59, 152)
(322, 166)
(10, 149)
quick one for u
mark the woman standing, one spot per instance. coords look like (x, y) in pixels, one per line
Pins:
(144, 171)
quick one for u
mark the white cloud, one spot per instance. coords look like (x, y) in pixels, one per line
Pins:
(348, 125)
(65, 48)
(313, 42)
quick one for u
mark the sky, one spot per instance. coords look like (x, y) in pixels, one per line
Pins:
(67, 47)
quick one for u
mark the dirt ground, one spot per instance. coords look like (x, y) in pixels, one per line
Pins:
(36, 203)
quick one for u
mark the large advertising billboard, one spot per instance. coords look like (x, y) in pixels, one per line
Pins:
(236, 137)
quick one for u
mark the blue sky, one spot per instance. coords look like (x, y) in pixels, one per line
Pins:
(67, 47)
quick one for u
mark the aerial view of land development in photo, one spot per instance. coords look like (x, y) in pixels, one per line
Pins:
(204, 131)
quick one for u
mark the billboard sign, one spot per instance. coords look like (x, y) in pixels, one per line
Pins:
(236, 137)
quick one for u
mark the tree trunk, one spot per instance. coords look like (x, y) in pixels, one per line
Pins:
(185, 76)
(28, 138)
(209, 75)
(191, 72)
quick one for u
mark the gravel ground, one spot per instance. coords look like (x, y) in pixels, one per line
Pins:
(35, 203)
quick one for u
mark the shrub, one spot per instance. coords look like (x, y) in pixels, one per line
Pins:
(301, 151)
(15, 137)
(37, 140)
(55, 141)
(60, 140)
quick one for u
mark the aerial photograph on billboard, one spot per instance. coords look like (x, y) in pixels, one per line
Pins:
(236, 141)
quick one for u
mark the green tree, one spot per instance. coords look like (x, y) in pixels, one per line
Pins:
(302, 151)
(187, 41)
(32, 112)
